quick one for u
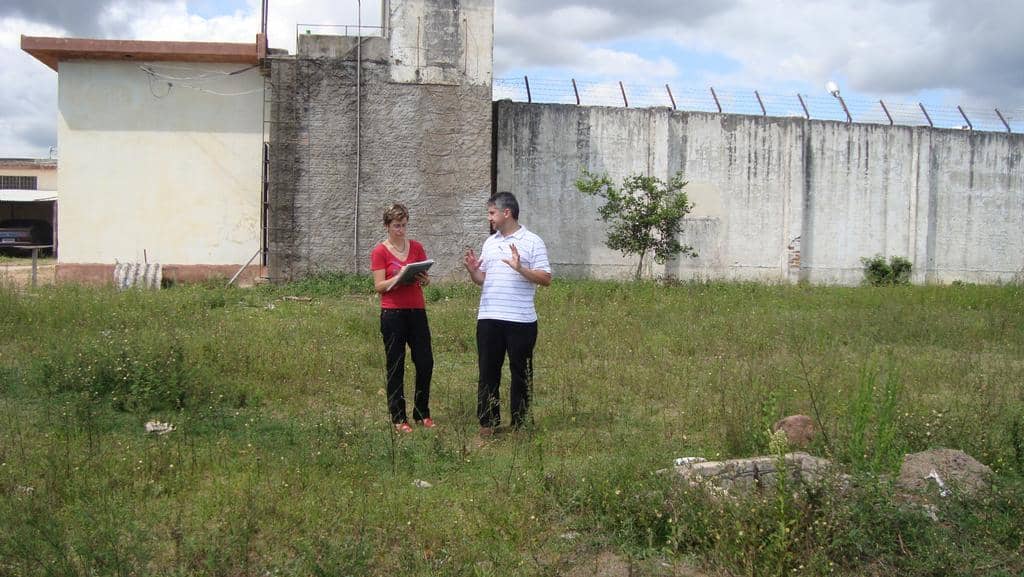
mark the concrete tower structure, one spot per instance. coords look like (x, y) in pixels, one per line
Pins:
(358, 122)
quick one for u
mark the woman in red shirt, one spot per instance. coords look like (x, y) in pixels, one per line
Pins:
(403, 319)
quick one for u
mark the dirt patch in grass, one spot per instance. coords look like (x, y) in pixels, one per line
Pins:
(17, 274)
(609, 564)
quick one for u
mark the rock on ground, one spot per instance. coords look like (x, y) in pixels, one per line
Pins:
(749, 474)
(800, 430)
(955, 470)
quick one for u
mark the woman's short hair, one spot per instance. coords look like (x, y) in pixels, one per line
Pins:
(396, 212)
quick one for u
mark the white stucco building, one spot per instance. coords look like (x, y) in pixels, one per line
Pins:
(161, 155)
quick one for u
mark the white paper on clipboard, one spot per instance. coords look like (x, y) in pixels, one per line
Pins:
(409, 272)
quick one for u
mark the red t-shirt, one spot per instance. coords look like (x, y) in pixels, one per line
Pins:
(408, 296)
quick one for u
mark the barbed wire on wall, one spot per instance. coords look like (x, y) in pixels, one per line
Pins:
(756, 103)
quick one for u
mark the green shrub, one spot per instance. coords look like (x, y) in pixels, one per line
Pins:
(878, 272)
(136, 376)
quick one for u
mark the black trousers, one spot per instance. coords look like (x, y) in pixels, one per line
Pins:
(401, 327)
(495, 339)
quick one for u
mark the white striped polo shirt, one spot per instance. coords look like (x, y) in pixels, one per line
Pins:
(507, 295)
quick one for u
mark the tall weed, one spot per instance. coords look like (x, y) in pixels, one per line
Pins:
(872, 442)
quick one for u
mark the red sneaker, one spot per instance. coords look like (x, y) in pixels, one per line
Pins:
(403, 427)
(427, 423)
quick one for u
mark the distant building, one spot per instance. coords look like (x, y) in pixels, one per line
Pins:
(28, 190)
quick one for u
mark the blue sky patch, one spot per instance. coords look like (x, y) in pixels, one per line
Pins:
(212, 8)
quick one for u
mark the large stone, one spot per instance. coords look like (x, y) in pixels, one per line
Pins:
(943, 471)
(746, 475)
(800, 430)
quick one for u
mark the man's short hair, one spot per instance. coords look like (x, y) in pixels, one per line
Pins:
(503, 200)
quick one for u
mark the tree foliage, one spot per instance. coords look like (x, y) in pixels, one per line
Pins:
(877, 272)
(645, 215)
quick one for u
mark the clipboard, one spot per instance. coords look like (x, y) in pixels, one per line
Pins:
(409, 272)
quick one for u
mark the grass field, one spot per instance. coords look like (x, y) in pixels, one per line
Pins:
(282, 461)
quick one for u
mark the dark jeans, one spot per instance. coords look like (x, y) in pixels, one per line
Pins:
(400, 327)
(493, 340)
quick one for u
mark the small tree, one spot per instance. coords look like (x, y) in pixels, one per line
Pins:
(645, 214)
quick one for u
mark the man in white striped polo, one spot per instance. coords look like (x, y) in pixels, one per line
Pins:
(512, 262)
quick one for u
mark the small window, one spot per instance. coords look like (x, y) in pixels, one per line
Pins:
(18, 182)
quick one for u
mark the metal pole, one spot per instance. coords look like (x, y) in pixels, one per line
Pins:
(842, 102)
(886, 110)
(244, 266)
(803, 105)
(715, 96)
(265, 44)
(265, 208)
(763, 111)
(928, 118)
(576, 92)
(967, 120)
(670, 97)
(56, 231)
(263, 20)
(359, 134)
(623, 90)
(529, 97)
(1006, 124)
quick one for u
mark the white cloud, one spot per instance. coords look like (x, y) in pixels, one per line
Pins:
(878, 47)
(628, 66)
(565, 40)
(28, 103)
(172, 21)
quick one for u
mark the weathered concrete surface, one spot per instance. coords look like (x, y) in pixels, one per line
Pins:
(157, 170)
(407, 119)
(441, 41)
(777, 199)
(426, 146)
(745, 475)
(369, 49)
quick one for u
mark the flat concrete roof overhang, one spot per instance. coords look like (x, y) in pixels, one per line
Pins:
(50, 51)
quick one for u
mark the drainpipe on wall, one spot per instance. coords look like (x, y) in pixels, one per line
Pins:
(359, 84)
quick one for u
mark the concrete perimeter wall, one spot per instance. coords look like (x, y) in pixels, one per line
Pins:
(777, 199)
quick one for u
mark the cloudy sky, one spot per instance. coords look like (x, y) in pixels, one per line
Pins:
(938, 51)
